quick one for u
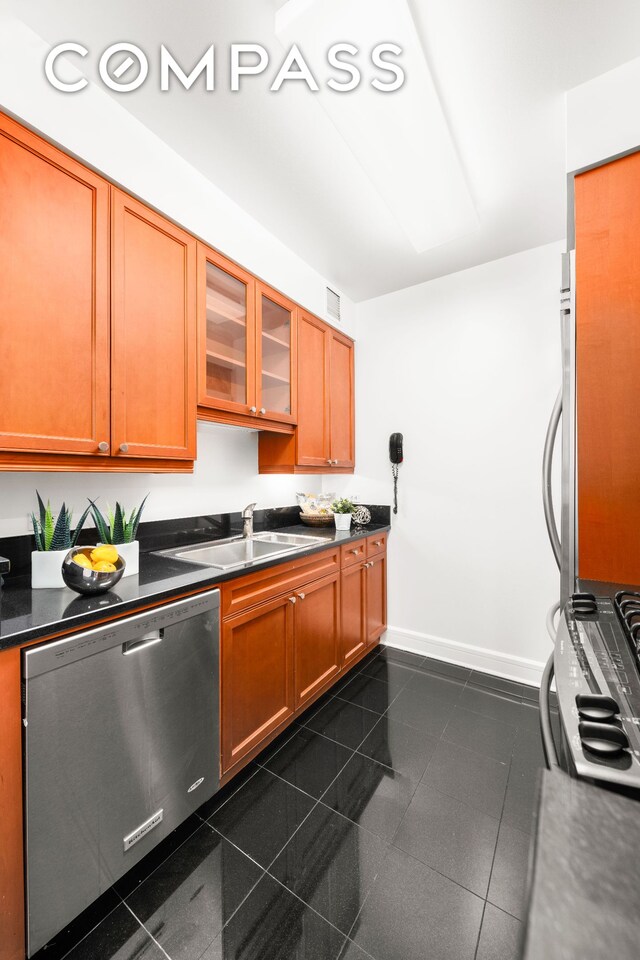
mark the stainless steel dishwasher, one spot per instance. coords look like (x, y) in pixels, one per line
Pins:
(121, 735)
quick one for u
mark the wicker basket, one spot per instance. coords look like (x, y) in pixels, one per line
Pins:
(324, 520)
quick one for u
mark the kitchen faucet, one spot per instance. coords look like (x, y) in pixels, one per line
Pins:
(247, 520)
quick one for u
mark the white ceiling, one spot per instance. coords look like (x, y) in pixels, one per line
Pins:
(500, 67)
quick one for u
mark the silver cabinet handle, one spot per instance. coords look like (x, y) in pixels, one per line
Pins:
(252, 409)
(124, 447)
(377, 543)
(355, 551)
(335, 463)
(292, 599)
(263, 410)
(103, 446)
(301, 596)
(329, 462)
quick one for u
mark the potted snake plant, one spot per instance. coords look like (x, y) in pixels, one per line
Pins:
(120, 530)
(53, 540)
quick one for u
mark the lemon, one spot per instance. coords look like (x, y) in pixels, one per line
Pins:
(106, 552)
(103, 566)
(82, 560)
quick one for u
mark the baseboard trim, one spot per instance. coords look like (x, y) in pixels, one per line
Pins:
(500, 664)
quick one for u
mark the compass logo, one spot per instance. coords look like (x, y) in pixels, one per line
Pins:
(124, 67)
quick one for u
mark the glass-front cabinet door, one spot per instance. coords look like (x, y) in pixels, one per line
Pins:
(226, 311)
(276, 347)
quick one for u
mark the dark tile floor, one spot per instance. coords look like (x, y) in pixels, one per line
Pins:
(392, 822)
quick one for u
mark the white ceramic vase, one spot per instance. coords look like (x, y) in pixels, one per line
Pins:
(342, 521)
(46, 569)
(130, 553)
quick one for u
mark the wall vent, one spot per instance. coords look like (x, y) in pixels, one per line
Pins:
(333, 305)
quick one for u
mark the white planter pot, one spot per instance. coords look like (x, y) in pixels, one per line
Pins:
(46, 568)
(342, 521)
(130, 553)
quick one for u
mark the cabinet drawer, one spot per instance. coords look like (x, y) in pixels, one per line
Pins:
(353, 552)
(376, 545)
(238, 595)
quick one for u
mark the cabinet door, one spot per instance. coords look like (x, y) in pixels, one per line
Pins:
(54, 292)
(275, 355)
(153, 352)
(317, 631)
(312, 433)
(342, 401)
(354, 622)
(376, 594)
(256, 682)
(226, 333)
(607, 225)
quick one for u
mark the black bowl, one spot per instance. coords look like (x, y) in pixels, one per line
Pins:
(84, 580)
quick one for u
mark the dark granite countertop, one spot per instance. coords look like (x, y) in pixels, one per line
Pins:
(585, 886)
(27, 615)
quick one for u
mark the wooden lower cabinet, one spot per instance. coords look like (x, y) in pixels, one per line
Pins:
(352, 637)
(317, 637)
(256, 677)
(376, 598)
(279, 654)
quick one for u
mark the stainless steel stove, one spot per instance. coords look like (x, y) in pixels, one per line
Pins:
(597, 672)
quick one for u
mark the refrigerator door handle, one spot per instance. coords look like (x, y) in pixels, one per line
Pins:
(547, 467)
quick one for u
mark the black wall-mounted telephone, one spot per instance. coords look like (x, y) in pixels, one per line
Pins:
(396, 456)
(395, 448)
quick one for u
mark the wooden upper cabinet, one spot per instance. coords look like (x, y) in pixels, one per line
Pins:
(226, 334)
(341, 401)
(324, 438)
(275, 355)
(313, 446)
(153, 353)
(54, 292)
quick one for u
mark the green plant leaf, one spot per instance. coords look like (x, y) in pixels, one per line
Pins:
(61, 539)
(76, 532)
(134, 531)
(42, 509)
(37, 533)
(48, 526)
(118, 525)
(104, 533)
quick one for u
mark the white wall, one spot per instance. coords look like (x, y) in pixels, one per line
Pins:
(467, 368)
(603, 117)
(225, 479)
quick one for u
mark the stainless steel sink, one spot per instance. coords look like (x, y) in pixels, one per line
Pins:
(237, 551)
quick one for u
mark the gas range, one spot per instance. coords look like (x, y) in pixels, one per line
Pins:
(597, 670)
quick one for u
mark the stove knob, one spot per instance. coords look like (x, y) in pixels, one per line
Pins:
(603, 739)
(597, 706)
(584, 604)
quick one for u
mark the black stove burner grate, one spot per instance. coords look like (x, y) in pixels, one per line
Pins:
(627, 604)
